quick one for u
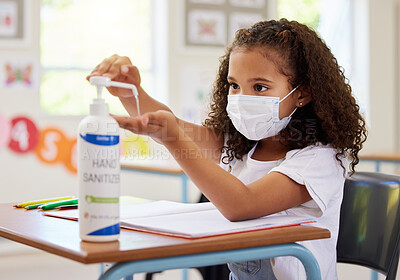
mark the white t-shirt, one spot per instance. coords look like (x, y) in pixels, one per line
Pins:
(317, 169)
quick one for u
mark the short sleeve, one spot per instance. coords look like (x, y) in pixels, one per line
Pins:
(317, 168)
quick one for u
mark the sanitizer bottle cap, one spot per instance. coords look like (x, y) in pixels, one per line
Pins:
(99, 106)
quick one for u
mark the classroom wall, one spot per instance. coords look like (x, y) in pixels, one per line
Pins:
(397, 70)
(384, 93)
(54, 179)
(23, 177)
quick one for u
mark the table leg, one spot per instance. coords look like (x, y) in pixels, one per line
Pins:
(185, 274)
(121, 270)
(374, 275)
(184, 180)
(377, 166)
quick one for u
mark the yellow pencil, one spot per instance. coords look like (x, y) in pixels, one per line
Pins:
(24, 204)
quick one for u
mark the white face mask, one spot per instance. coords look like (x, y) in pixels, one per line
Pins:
(257, 117)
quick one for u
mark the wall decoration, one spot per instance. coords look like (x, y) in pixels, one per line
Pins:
(14, 23)
(196, 83)
(207, 27)
(242, 20)
(210, 23)
(24, 135)
(19, 72)
(51, 146)
(248, 3)
(4, 131)
(8, 19)
(214, 2)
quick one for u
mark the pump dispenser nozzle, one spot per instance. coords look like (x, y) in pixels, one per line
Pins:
(100, 82)
(99, 90)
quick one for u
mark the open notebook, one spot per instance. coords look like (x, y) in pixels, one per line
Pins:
(188, 220)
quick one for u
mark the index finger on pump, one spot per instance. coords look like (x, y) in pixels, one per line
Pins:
(115, 68)
(110, 66)
(104, 66)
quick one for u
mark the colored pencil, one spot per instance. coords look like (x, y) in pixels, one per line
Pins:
(67, 207)
(34, 206)
(24, 204)
(52, 205)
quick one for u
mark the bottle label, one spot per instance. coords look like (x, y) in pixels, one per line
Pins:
(111, 230)
(103, 140)
(99, 184)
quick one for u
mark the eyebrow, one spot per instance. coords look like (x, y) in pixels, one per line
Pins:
(258, 79)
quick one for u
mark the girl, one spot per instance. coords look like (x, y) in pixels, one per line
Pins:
(281, 125)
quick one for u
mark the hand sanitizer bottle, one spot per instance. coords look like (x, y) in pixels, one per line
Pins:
(99, 169)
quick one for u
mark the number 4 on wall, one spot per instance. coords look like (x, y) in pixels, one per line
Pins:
(24, 135)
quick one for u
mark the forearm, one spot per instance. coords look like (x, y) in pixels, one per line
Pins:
(224, 190)
(146, 103)
(207, 139)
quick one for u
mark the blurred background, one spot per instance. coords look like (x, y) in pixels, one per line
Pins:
(48, 47)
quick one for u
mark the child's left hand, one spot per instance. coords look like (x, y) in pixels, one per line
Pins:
(161, 125)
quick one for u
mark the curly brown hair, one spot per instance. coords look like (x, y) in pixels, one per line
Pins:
(332, 117)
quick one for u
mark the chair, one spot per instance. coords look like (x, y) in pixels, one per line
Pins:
(370, 222)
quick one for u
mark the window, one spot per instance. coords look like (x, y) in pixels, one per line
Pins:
(304, 11)
(76, 35)
(341, 24)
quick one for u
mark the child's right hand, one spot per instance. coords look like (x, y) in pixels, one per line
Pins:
(161, 125)
(120, 69)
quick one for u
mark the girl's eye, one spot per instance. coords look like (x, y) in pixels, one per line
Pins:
(234, 86)
(260, 88)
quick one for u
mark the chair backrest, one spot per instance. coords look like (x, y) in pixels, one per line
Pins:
(370, 222)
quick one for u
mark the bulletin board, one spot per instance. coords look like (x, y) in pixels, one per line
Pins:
(213, 23)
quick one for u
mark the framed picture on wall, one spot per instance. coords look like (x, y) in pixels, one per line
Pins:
(14, 23)
(213, 23)
(206, 28)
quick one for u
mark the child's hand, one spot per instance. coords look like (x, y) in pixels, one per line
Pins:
(161, 125)
(120, 69)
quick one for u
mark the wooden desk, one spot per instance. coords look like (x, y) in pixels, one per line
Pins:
(164, 168)
(144, 252)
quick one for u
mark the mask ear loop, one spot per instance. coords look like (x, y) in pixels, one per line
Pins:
(292, 112)
(293, 90)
